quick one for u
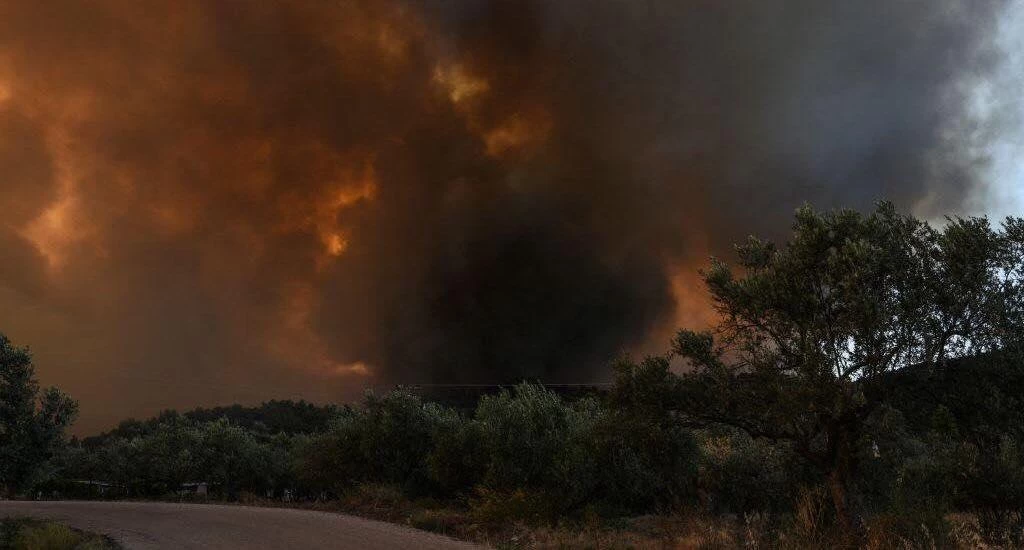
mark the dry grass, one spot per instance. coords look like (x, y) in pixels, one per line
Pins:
(25, 534)
(697, 532)
(517, 520)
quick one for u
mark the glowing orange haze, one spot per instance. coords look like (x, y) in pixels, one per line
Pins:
(144, 174)
(234, 201)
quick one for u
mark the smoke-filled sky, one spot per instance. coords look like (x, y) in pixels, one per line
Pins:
(215, 201)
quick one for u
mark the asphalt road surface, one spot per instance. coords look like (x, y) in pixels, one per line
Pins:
(147, 525)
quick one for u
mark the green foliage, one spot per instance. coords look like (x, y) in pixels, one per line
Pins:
(809, 329)
(998, 480)
(647, 458)
(954, 433)
(32, 421)
(906, 471)
(45, 535)
(387, 440)
(563, 455)
(740, 474)
(269, 418)
(158, 461)
(459, 457)
(534, 440)
(643, 464)
(871, 364)
(229, 457)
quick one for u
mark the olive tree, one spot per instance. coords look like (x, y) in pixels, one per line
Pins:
(805, 328)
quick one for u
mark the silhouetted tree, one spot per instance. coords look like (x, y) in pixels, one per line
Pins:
(807, 327)
(32, 421)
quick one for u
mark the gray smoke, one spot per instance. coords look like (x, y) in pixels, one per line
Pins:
(207, 202)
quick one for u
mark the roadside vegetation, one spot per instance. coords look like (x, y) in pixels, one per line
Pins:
(28, 534)
(865, 388)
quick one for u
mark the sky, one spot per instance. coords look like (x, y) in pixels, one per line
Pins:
(1004, 194)
(216, 202)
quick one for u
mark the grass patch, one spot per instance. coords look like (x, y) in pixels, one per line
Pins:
(517, 521)
(30, 534)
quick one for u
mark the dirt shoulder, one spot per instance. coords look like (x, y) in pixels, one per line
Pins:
(158, 525)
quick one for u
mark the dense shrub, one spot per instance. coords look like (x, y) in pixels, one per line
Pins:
(532, 439)
(648, 459)
(387, 440)
(528, 454)
(564, 455)
(153, 465)
(458, 459)
(996, 482)
(739, 474)
(228, 457)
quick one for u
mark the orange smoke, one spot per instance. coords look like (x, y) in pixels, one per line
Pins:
(303, 196)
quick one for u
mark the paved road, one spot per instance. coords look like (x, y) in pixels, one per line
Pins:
(148, 525)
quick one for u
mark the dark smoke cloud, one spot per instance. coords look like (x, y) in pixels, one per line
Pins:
(217, 201)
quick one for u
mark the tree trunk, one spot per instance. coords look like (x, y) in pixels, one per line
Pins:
(840, 499)
(840, 476)
(848, 513)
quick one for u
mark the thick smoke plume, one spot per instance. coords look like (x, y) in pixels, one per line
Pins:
(210, 201)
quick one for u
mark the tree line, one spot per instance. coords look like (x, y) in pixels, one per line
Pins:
(872, 359)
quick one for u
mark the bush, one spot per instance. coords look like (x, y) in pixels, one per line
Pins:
(387, 440)
(739, 474)
(277, 464)
(37, 535)
(459, 458)
(536, 442)
(997, 482)
(228, 457)
(528, 455)
(648, 460)
(644, 464)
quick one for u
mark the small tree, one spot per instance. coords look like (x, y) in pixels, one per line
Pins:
(807, 327)
(32, 422)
